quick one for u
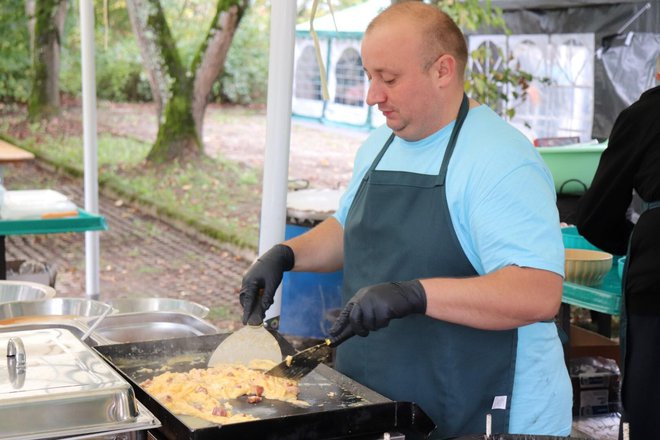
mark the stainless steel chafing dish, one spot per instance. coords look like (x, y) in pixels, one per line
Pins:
(52, 385)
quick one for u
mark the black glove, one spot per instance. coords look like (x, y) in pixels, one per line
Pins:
(374, 306)
(261, 281)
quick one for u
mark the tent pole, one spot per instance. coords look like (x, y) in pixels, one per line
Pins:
(278, 134)
(92, 284)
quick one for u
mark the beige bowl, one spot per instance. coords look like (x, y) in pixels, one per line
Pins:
(587, 267)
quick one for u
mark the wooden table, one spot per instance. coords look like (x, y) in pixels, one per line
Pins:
(10, 153)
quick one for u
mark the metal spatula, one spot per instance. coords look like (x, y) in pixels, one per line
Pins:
(302, 363)
(251, 342)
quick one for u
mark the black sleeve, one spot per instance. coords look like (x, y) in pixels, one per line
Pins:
(601, 212)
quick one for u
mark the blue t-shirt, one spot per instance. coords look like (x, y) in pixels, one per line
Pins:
(502, 205)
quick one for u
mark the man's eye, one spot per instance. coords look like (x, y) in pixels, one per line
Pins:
(388, 81)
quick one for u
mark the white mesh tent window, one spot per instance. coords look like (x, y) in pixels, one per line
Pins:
(347, 84)
(350, 89)
(565, 106)
(307, 99)
(308, 77)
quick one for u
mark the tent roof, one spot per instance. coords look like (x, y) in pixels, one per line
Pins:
(353, 19)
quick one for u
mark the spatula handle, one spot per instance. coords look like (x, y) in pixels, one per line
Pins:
(334, 341)
(257, 313)
(256, 316)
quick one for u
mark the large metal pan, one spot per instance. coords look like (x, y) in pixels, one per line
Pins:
(26, 312)
(338, 406)
(24, 291)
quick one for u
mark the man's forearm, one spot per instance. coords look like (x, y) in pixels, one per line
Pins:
(508, 298)
(321, 249)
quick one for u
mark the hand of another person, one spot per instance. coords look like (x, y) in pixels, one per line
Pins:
(261, 281)
(372, 307)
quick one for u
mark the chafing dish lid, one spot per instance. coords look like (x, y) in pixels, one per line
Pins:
(52, 384)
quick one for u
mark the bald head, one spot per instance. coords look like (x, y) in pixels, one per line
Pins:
(441, 34)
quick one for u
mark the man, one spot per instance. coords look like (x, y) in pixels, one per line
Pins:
(449, 239)
(630, 163)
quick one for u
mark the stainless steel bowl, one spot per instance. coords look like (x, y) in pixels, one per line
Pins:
(11, 291)
(19, 312)
(140, 305)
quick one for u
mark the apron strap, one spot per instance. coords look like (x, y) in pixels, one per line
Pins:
(462, 114)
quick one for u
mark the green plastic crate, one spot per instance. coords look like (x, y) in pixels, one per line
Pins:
(572, 167)
(573, 239)
(605, 298)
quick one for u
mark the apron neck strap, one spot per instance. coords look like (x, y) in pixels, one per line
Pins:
(462, 114)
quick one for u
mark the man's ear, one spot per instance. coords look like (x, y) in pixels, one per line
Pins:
(445, 69)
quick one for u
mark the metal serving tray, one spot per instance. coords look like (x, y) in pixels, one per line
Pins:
(53, 385)
(148, 304)
(148, 326)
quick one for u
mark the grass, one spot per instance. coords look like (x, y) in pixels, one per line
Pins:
(216, 196)
(220, 313)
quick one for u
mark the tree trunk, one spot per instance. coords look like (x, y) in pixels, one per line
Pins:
(211, 56)
(44, 99)
(181, 94)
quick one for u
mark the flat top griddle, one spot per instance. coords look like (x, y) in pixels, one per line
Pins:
(338, 406)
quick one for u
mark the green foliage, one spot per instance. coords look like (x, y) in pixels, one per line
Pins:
(471, 15)
(119, 73)
(14, 52)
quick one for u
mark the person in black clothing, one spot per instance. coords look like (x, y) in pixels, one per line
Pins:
(631, 162)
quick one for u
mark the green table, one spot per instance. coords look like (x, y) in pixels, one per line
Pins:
(82, 223)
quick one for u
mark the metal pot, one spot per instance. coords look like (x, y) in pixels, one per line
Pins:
(19, 312)
(11, 291)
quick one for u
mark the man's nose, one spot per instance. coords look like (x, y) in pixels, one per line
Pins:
(375, 94)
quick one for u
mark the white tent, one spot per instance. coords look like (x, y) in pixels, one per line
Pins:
(340, 49)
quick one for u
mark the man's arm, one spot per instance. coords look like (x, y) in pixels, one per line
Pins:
(507, 298)
(321, 249)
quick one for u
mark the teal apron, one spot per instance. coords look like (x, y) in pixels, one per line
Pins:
(623, 324)
(399, 228)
